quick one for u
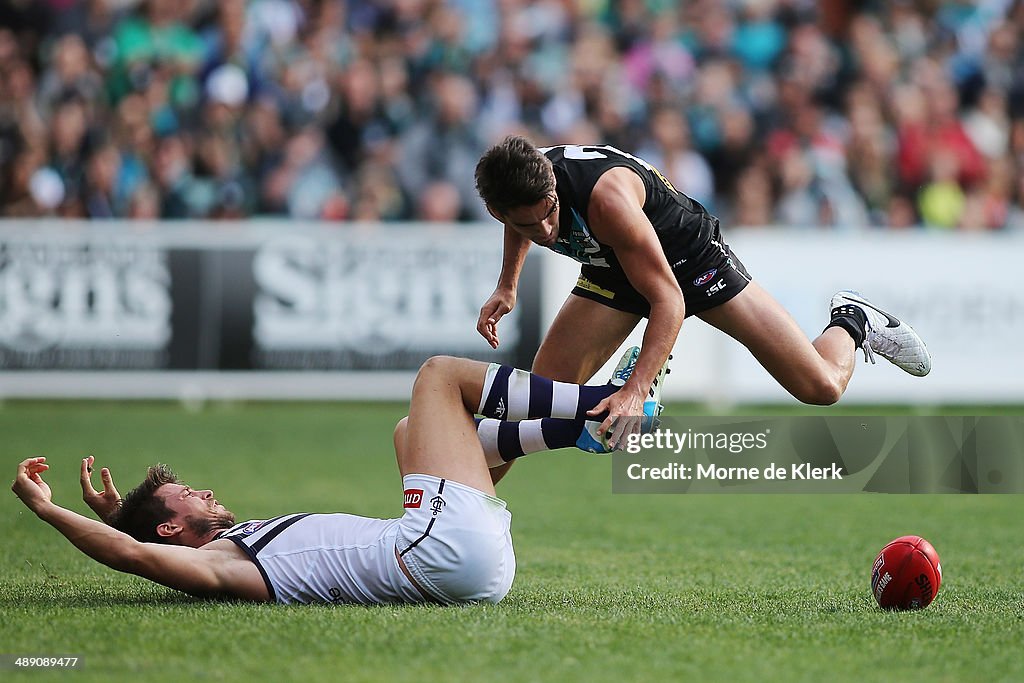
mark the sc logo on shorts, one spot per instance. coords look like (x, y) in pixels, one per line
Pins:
(717, 287)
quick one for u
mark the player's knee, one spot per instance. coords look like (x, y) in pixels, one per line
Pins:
(432, 371)
(436, 366)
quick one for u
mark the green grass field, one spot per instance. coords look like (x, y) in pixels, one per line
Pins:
(616, 588)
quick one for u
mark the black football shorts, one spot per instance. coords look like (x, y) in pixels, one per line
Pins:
(709, 275)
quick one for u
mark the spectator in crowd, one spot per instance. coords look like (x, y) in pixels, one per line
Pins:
(445, 145)
(827, 115)
(103, 194)
(157, 44)
(378, 194)
(68, 144)
(70, 73)
(439, 203)
(669, 151)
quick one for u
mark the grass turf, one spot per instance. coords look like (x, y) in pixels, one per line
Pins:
(714, 587)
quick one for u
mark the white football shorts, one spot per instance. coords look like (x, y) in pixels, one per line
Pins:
(456, 541)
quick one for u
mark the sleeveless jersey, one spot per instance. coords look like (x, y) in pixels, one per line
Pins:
(326, 558)
(681, 223)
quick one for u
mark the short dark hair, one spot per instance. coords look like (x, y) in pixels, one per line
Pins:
(142, 511)
(514, 173)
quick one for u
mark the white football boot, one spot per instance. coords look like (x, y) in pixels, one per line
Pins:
(589, 441)
(888, 336)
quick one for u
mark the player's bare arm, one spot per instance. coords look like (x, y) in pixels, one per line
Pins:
(503, 299)
(617, 217)
(218, 569)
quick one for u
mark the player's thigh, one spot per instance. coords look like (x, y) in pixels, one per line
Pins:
(755, 319)
(581, 339)
(440, 436)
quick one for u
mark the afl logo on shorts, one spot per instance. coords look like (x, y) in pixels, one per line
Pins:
(413, 498)
(705, 278)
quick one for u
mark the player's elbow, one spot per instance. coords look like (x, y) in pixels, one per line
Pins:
(669, 306)
(666, 293)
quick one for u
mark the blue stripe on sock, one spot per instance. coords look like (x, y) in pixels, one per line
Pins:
(509, 447)
(499, 391)
(541, 389)
(590, 396)
(560, 433)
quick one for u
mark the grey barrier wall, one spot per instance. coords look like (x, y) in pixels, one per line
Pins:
(276, 309)
(273, 297)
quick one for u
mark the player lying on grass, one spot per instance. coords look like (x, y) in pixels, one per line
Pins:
(452, 545)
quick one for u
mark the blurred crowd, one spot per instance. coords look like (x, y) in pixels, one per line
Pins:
(839, 114)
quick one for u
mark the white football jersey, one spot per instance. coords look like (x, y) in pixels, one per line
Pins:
(326, 558)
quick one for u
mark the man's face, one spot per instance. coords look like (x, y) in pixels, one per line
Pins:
(536, 222)
(197, 511)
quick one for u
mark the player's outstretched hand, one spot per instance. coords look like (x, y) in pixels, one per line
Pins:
(104, 503)
(29, 486)
(501, 302)
(625, 415)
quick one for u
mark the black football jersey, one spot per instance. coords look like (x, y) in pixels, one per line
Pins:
(680, 222)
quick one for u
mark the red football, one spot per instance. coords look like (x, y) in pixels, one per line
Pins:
(906, 574)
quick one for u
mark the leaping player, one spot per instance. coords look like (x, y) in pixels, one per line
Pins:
(650, 251)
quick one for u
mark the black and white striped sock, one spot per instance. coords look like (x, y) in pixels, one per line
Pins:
(512, 394)
(505, 441)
